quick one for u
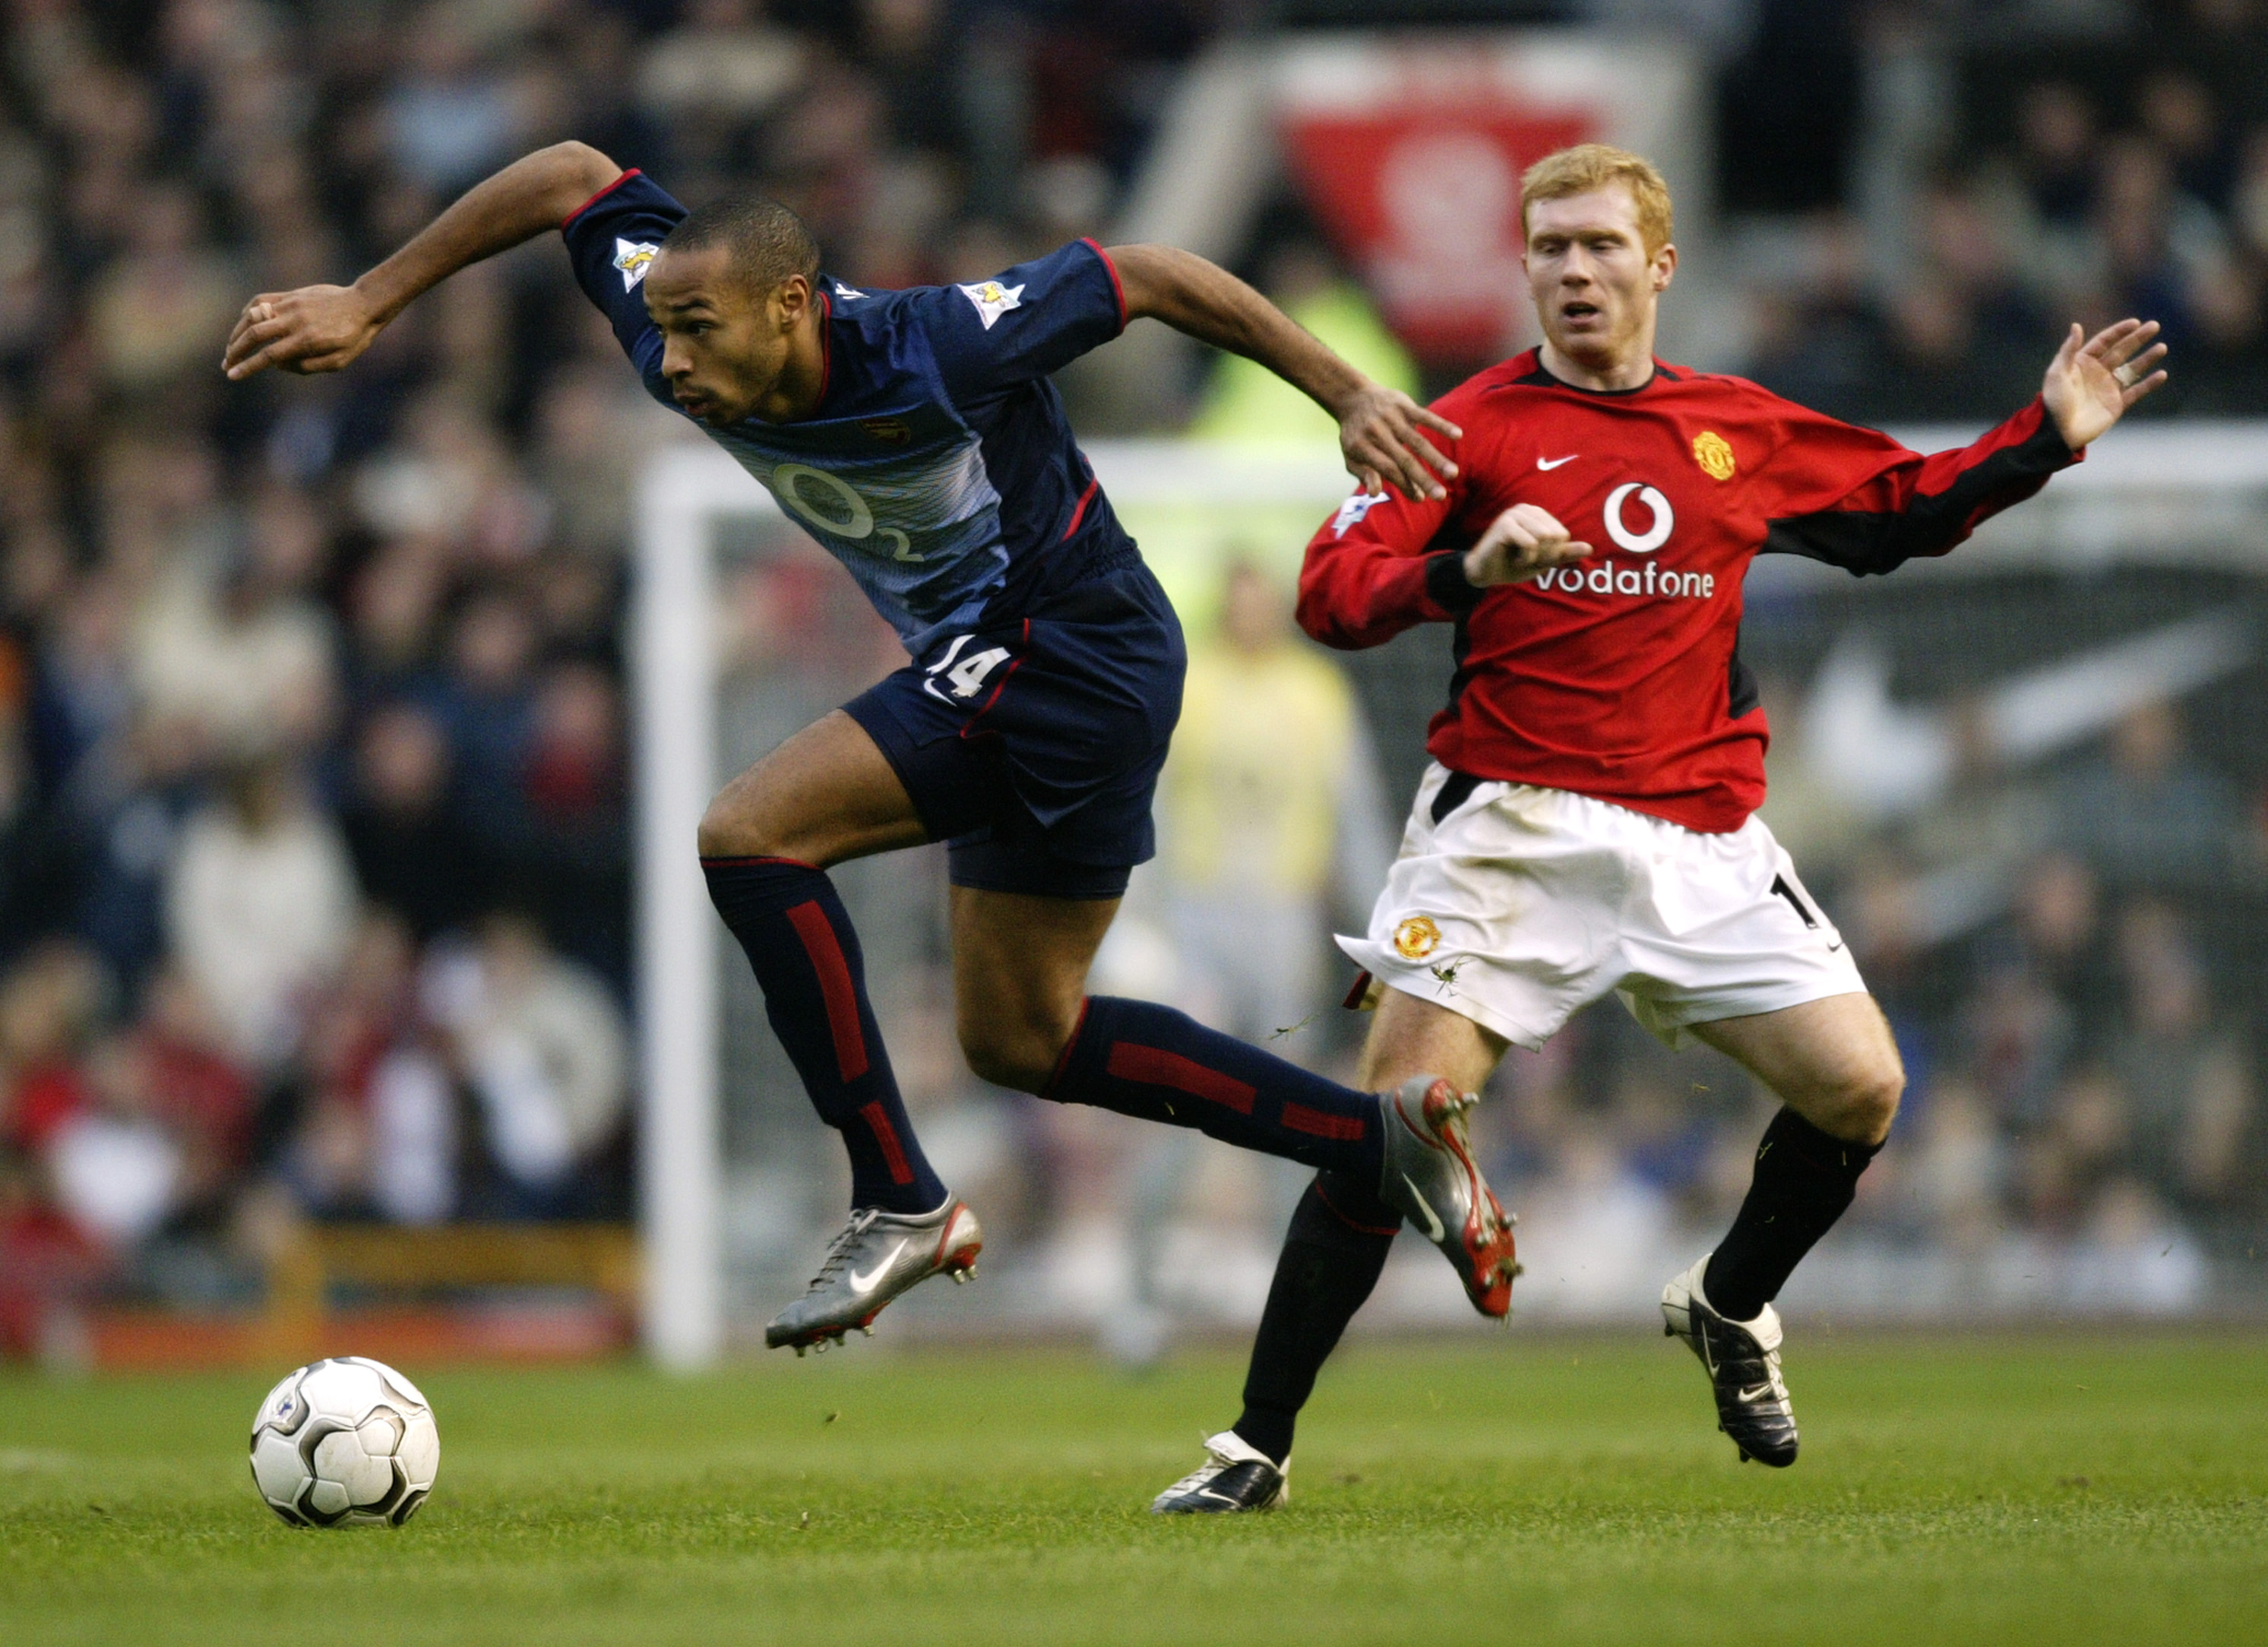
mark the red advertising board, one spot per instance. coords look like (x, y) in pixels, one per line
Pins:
(1422, 196)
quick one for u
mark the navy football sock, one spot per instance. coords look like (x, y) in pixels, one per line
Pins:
(1142, 1059)
(1805, 1179)
(1333, 1254)
(798, 939)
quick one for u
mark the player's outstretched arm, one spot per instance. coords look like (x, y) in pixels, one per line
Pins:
(321, 328)
(1378, 426)
(2092, 381)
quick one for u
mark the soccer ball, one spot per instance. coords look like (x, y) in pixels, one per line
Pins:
(347, 1442)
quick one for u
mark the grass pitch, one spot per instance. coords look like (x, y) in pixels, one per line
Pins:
(2099, 1487)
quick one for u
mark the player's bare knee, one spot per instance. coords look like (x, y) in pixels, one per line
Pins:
(1017, 1050)
(1004, 1056)
(732, 827)
(1880, 1103)
(989, 1061)
(1867, 1103)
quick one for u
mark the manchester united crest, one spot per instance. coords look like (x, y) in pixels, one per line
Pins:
(1714, 454)
(1417, 938)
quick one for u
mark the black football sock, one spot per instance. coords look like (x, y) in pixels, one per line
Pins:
(1804, 1180)
(1141, 1059)
(1332, 1256)
(798, 939)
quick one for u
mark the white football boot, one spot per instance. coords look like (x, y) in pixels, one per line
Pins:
(1236, 1476)
(1742, 1361)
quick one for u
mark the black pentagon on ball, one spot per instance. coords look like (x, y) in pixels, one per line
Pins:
(393, 1495)
(410, 1504)
(305, 1506)
(312, 1437)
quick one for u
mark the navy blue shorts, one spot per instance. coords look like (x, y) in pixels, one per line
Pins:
(1033, 750)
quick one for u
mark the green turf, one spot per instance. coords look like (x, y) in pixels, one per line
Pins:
(2086, 1488)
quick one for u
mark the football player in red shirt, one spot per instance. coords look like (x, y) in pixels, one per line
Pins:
(1587, 824)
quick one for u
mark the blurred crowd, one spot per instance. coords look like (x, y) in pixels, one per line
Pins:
(1989, 185)
(313, 882)
(313, 869)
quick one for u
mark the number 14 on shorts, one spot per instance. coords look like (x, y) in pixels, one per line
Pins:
(966, 677)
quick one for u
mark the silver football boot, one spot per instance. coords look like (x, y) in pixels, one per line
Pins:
(1236, 1476)
(877, 1256)
(1429, 1176)
(1742, 1361)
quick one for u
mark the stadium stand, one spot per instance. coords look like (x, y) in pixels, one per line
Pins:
(314, 804)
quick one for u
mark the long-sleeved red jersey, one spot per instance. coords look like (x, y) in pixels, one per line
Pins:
(1618, 677)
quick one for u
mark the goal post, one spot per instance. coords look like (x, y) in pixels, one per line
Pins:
(681, 492)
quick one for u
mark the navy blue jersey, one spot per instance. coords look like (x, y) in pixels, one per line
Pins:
(938, 466)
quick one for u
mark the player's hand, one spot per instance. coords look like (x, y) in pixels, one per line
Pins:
(1378, 432)
(2090, 384)
(316, 328)
(1518, 544)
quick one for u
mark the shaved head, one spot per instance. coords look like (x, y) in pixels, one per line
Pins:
(764, 241)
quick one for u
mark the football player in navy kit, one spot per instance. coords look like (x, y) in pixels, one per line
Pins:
(913, 434)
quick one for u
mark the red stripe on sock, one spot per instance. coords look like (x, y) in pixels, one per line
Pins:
(819, 942)
(1154, 1066)
(893, 1154)
(1316, 1124)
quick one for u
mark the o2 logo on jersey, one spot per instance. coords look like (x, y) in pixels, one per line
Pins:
(834, 505)
(1659, 527)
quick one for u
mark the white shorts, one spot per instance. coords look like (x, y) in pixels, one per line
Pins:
(1522, 905)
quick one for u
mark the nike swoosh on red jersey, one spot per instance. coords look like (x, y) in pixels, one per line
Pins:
(1555, 462)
